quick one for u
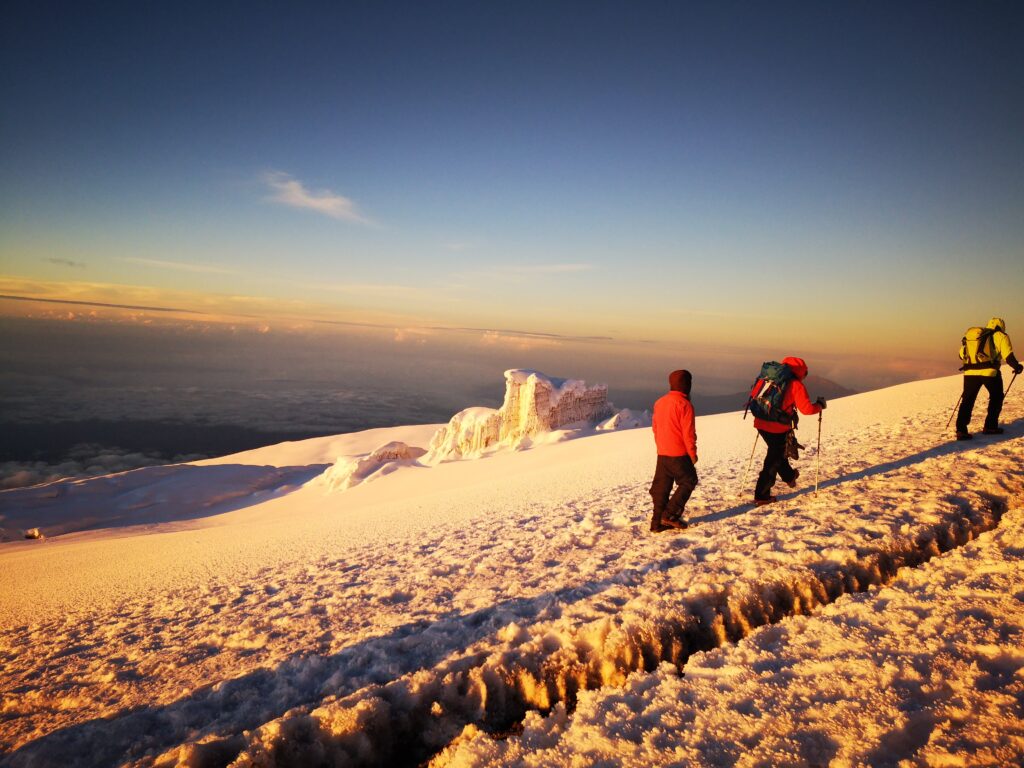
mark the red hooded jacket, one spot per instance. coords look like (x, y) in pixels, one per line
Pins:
(675, 432)
(794, 397)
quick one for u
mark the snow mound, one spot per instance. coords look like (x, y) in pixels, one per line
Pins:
(625, 419)
(383, 460)
(534, 404)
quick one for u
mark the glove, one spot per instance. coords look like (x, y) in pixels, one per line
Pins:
(821, 401)
(1018, 369)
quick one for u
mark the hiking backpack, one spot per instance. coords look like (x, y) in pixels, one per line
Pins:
(768, 392)
(978, 350)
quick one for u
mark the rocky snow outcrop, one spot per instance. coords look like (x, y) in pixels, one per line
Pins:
(534, 404)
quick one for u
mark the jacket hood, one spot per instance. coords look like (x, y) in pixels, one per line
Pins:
(997, 323)
(798, 366)
(680, 381)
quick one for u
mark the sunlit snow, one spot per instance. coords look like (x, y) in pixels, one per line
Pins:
(243, 611)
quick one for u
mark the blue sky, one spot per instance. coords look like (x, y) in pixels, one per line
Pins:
(840, 178)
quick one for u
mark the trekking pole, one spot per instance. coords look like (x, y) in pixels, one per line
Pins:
(1009, 385)
(749, 463)
(957, 406)
(817, 457)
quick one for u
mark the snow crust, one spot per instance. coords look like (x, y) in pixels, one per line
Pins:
(876, 623)
(927, 670)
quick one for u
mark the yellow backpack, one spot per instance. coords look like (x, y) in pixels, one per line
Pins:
(978, 350)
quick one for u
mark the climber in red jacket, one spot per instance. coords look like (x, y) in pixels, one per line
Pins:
(776, 431)
(675, 435)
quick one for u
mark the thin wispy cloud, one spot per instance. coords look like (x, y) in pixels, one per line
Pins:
(67, 263)
(505, 332)
(362, 289)
(520, 342)
(180, 265)
(544, 269)
(513, 273)
(292, 192)
(459, 246)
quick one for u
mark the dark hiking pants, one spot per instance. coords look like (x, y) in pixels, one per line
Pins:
(775, 464)
(669, 470)
(972, 385)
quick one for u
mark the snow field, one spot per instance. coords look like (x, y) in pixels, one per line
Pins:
(312, 623)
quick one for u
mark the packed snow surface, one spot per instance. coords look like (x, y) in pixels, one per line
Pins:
(237, 611)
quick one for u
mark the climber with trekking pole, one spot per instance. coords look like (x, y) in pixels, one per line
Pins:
(983, 351)
(777, 395)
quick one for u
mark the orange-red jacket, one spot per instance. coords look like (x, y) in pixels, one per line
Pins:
(794, 397)
(675, 432)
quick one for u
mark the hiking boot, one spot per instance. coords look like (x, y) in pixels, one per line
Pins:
(964, 436)
(658, 527)
(675, 522)
(762, 502)
(992, 431)
(792, 483)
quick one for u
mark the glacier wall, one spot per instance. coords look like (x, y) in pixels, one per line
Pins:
(534, 404)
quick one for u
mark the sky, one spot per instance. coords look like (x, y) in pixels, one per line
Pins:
(619, 187)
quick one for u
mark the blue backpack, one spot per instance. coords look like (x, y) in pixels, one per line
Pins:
(768, 391)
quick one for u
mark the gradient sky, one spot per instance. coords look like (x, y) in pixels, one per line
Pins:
(812, 178)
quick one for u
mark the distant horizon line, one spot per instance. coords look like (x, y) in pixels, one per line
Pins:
(83, 303)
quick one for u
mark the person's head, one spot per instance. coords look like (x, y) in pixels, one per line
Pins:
(998, 324)
(798, 366)
(680, 381)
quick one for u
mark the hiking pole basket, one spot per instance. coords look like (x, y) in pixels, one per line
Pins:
(817, 457)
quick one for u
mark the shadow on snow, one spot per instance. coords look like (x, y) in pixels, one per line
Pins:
(1014, 429)
(174, 492)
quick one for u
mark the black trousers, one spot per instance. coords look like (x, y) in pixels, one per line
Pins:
(672, 469)
(973, 385)
(775, 464)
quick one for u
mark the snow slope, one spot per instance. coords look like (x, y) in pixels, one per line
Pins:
(404, 619)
